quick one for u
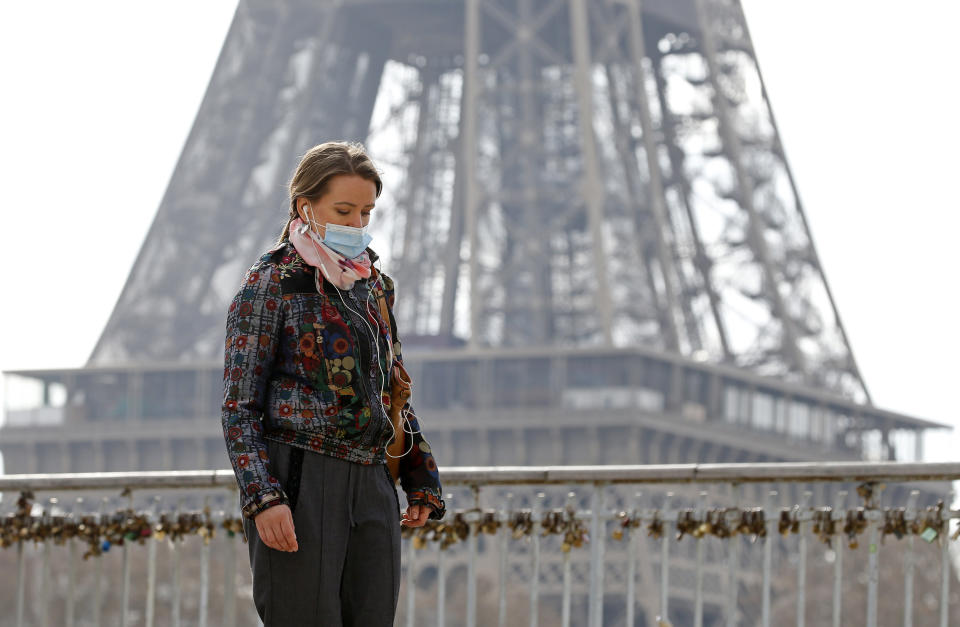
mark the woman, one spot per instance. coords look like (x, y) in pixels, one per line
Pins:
(310, 346)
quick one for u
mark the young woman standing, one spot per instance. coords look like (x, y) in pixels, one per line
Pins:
(311, 354)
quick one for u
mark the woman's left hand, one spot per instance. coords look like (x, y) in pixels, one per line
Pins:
(416, 515)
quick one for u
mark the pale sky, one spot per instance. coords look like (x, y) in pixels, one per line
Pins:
(99, 98)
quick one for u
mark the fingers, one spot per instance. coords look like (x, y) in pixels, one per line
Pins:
(410, 516)
(416, 516)
(267, 535)
(275, 526)
(289, 534)
(280, 536)
(278, 541)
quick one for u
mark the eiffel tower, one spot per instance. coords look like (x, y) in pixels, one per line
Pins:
(600, 252)
(620, 168)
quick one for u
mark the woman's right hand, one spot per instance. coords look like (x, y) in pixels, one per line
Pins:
(275, 526)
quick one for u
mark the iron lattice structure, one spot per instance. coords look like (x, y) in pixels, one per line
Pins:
(559, 173)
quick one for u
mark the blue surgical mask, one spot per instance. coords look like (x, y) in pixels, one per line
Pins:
(349, 241)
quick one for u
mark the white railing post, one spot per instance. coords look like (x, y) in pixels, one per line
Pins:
(45, 568)
(175, 565)
(733, 554)
(771, 514)
(505, 536)
(837, 516)
(70, 609)
(442, 582)
(411, 581)
(98, 570)
(803, 515)
(125, 581)
(567, 574)
(597, 536)
(535, 519)
(669, 516)
(204, 569)
(909, 515)
(874, 514)
(152, 567)
(945, 570)
(699, 514)
(21, 582)
(474, 522)
(632, 512)
(229, 544)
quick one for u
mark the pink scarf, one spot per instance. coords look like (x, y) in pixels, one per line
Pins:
(337, 269)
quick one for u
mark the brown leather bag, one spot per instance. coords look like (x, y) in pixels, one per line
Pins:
(399, 393)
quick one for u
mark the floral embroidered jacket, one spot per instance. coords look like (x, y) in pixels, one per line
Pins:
(299, 369)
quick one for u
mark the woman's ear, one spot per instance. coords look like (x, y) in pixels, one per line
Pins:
(302, 211)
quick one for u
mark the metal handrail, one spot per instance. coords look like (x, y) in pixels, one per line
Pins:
(593, 522)
(513, 475)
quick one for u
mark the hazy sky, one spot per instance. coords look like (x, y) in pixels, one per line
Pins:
(99, 97)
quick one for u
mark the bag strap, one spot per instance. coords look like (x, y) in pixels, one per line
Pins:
(400, 379)
(384, 311)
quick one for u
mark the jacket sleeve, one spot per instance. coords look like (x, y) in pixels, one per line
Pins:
(419, 476)
(254, 320)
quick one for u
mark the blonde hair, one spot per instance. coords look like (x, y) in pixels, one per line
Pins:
(319, 165)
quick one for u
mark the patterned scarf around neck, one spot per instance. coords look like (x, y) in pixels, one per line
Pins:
(337, 268)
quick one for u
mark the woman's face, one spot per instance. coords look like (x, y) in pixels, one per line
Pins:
(348, 201)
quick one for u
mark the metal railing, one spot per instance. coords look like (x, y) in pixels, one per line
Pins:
(686, 543)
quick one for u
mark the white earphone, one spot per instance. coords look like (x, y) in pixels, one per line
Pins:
(376, 336)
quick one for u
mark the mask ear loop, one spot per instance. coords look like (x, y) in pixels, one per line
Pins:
(319, 286)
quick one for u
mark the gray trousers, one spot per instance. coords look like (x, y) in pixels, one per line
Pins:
(346, 570)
